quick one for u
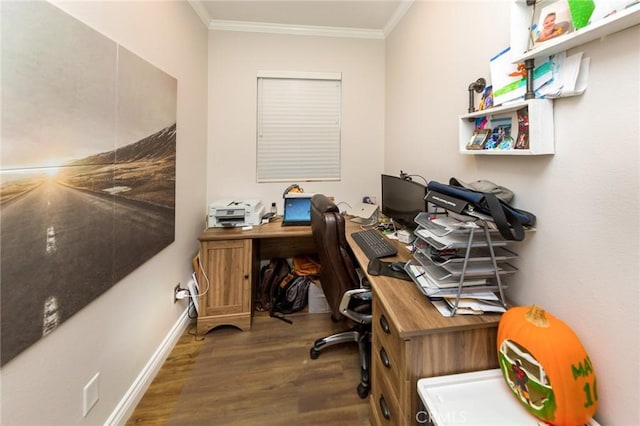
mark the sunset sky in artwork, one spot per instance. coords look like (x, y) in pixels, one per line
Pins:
(69, 92)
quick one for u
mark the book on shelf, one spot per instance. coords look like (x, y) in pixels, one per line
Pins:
(509, 82)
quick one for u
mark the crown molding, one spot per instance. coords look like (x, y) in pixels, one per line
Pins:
(402, 10)
(309, 30)
(200, 11)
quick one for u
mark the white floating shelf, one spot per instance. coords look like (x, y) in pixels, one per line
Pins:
(541, 131)
(520, 21)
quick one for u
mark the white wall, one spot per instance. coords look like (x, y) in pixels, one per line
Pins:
(582, 262)
(120, 331)
(235, 58)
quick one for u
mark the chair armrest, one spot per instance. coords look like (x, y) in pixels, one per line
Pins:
(362, 277)
(353, 315)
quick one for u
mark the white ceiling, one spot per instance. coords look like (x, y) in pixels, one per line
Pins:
(348, 18)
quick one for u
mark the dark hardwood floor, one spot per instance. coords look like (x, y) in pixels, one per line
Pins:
(259, 377)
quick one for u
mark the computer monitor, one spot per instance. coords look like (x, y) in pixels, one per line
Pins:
(402, 200)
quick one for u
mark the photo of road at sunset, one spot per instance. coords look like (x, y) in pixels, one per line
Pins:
(87, 168)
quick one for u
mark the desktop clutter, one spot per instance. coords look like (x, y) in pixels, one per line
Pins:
(245, 214)
(459, 234)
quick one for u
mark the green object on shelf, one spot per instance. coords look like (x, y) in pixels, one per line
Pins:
(581, 11)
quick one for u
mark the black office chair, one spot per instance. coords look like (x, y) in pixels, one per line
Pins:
(346, 290)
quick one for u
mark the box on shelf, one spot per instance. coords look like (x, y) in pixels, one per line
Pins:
(317, 301)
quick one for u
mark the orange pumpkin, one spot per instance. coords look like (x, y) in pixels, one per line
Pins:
(546, 367)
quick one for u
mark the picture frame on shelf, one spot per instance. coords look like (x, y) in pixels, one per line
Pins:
(478, 138)
(551, 19)
(522, 141)
(503, 135)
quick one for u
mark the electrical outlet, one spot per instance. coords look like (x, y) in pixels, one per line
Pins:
(176, 289)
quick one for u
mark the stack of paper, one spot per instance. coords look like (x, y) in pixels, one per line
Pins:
(452, 241)
(570, 75)
(470, 304)
(431, 286)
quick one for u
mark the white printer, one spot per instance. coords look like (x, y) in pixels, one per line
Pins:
(231, 213)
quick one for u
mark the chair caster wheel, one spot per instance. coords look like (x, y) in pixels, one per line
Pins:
(313, 354)
(363, 391)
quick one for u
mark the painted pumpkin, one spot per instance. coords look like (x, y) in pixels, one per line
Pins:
(546, 367)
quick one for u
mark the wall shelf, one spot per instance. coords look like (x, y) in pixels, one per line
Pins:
(541, 130)
(540, 111)
(521, 18)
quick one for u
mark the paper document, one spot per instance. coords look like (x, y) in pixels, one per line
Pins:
(476, 305)
(570, 76)
(445, 311)
(429, 287)
(509, 83)
(488, 302)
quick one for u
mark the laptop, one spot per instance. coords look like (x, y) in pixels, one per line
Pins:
(297, 209)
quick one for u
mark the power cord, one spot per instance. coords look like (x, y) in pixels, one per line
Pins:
(192, 312)
(204, 274)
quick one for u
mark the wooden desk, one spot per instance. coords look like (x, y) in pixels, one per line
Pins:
(411, 340)
(230, 259)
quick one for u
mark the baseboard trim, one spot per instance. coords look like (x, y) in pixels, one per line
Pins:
(134, 394)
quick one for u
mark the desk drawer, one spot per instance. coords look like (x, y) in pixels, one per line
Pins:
(381, 321)
(385, 334)
(387, 346)
(384, 402)
(385, 353)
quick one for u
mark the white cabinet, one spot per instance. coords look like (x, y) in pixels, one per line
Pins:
(539, 113)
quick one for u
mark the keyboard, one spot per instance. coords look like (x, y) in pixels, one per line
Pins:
(373, 244)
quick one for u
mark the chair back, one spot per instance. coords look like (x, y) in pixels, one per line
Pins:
(337, 263)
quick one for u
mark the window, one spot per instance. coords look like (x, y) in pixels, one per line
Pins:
(298, 126)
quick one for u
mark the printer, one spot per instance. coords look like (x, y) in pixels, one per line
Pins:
(231, 213)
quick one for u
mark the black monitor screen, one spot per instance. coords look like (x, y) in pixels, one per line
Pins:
(402, 200)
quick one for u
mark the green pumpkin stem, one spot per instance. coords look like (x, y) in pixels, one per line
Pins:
(536, 316)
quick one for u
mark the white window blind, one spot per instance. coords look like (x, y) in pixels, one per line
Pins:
(298, 127)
